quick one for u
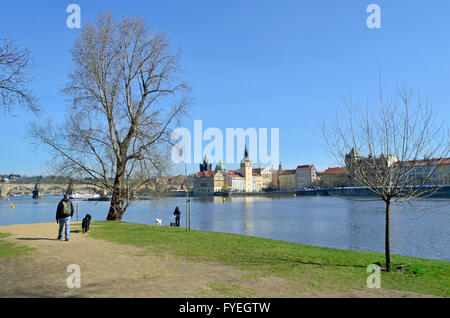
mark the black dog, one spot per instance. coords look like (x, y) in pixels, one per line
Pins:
(86, 222)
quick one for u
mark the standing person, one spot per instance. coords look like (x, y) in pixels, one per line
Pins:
(177, 214)
(63, 214)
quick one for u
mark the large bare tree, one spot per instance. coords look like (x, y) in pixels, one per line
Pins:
(395, 146)
(15, 77)
(126, 97)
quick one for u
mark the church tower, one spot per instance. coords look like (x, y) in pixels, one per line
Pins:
(247, 171)
(205, 166)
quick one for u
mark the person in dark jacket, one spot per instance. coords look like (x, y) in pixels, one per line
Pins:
(64, 213)
(177, 214)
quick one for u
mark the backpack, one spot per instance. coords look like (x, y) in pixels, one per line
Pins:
(67, 211)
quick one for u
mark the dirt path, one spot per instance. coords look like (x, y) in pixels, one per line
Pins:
(114, 270)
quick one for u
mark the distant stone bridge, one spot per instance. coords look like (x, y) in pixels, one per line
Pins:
(46, 189)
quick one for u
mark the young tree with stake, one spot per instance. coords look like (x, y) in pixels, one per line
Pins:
(399, 137)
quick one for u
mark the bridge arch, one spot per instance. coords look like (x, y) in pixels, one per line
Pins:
(46, 189)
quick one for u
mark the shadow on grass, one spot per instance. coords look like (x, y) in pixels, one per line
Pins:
(36, 239)
(291, 262)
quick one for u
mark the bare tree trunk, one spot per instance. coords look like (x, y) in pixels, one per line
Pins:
(117, 199)
(387, 244)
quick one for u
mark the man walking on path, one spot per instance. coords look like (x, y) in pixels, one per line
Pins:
(63, 214)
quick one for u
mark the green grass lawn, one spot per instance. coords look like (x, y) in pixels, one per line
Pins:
(8, 250)
(315, 267)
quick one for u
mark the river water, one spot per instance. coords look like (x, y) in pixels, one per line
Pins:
(347, 223)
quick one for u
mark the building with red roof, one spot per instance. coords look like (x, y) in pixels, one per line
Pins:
(306, 175)
(334, 177)
(426, 171)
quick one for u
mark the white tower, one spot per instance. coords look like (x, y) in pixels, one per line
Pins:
(247, 171)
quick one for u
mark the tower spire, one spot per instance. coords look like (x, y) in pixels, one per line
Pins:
(247, 171)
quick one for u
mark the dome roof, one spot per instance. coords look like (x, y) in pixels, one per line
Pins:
(220, 166)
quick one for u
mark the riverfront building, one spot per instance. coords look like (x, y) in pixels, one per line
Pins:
(303, 176)
(246, 179)
(334, 177)
(369, 166)
(287, 180)
(306, 176)
(208, 182)
(235, 181)
(430, 171)
(262, 179)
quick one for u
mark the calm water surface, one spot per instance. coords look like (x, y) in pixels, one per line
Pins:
(422, 231)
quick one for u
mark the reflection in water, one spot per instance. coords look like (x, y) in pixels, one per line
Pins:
(324, 221)
(248, 218)
(219, 199)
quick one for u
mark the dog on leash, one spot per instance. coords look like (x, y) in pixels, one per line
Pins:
(158, 221)
(85, 223)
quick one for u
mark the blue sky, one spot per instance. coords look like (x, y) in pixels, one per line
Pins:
(261, 64)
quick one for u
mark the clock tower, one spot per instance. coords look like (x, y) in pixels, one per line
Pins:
(247, 171)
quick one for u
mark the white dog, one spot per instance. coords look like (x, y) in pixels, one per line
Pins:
(158, 221)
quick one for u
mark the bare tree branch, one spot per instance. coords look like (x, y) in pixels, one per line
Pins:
(15, 78)
(126, 97)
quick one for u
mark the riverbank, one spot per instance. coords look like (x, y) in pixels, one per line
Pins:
(441, 192)
(134, 260)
